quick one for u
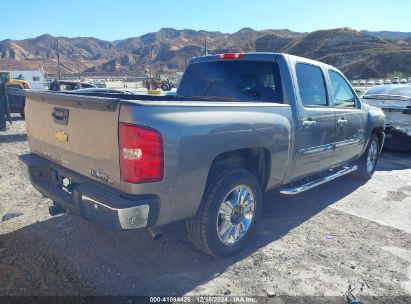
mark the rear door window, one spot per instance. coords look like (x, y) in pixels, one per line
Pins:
(234, 80)
(311, 85)
(343, 96)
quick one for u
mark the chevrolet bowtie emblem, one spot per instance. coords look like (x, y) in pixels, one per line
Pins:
(61, 136)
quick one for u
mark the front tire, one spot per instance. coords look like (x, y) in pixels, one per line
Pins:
(368, 161)
(228, 213)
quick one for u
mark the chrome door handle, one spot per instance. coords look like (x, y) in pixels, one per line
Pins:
(309, 123)
(342, 122)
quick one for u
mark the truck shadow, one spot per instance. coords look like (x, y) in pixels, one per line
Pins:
(130, 263)
(12, 138)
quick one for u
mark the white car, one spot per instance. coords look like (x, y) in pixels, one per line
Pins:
(379, 82)
(355, 82)
(396, 80)
(363, 82)
(403, 81)
(409, 79)
(370, 82)
(395, 101)
(387, 81)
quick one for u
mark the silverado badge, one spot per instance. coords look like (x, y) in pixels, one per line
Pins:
(100, 175)
(61, 136)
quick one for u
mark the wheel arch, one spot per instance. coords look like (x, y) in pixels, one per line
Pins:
(379, 131)
(255, 160)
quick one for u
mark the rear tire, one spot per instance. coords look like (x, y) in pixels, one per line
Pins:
(165, 87)
(368, 161)
(228, 213)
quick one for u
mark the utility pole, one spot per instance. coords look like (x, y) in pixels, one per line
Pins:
(58, 61)
(153, 72)
(205, 47)
(78, 67)
(45, 67)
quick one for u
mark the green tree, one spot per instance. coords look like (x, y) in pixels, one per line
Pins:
(391, 75)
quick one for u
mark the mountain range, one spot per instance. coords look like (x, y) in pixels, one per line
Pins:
(359, 54)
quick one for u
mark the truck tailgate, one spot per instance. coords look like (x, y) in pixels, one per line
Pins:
(77, 132)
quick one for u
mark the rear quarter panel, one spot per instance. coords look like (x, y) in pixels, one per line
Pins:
(195, 133)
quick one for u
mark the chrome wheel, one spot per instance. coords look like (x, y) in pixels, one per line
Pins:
(372, 156)
(235, 215)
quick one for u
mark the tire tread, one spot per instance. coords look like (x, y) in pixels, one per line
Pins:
(362, 172)
(197, 225)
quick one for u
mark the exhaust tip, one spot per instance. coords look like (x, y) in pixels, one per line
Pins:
(155, 233)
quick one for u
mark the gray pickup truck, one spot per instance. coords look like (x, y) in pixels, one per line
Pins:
(240, 124)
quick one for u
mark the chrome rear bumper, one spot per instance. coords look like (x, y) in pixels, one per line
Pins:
(128, 218)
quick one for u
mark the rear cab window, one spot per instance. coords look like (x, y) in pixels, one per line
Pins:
(233, 80)
(311, 85)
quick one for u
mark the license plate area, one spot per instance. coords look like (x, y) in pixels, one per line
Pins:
(67, 186)
(64, 182)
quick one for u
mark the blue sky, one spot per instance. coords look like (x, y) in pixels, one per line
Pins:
(112, 20)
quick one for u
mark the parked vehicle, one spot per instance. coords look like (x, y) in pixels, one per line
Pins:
(409, 79)
(363, 82)
(15, 92)
(35, 78)
(355, 82)
(396, 80)
(96, 91)
(370, 82)
(403, 81)
(7, 78)
(65, 85)
(379, 82)
(387, 81)
(240, 124)
(17, 100)
(157, 82)
(360, 90)
(100, 85)
(395, 101)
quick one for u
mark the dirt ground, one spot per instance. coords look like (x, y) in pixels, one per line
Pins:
(314, 244)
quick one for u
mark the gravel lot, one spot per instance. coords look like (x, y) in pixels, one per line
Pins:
(317, 243)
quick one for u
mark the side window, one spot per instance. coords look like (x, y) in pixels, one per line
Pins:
(311, 85)
(342, 94)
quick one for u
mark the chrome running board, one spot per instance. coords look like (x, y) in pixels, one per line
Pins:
(317, 182)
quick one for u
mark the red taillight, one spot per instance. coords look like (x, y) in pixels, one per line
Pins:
(141, 154)
(230, 56)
